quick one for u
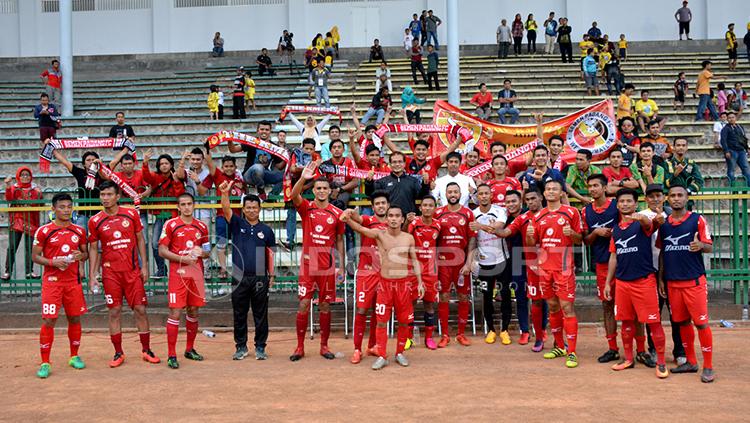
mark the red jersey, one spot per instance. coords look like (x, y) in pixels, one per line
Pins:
(321, 228)
(501, 186)
(237, 190)
(363, 164)
(611, 175)
(425, 244)
(118, 235)
(431, 165)
(331, 175)
(181, 238)
(465, 167)
(369, 256)
(556, 249)
(454, 227)
(135, 180)
(58, 242)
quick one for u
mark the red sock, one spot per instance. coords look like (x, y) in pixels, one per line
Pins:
(325, 328)
(537, 312)
(401, 335)
(74, 336)
(556, 325)
(372, 341)
(116, 342)
(571, 332)
(443, 312)
(382, 337)
(707, 347)
(302, 319)
(46, 337)
(657, 335)
(628, 332)
(612, 341)
(688, 343)
(360, 323)
(173, 327)
(640, 343)
(463, 316)
(145, 340)
(191, 328)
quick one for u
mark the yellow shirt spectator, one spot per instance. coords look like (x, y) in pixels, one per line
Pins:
(604, 58)
(335, 33)
(213, 102)
(585, 46)
(249, 88)
(329, 61)
(703, 86)
(731, 40)
(622, 44)
(624, 106)
(531, 25)
(648, 107)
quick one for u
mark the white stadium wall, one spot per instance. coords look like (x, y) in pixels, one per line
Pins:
(30, 27)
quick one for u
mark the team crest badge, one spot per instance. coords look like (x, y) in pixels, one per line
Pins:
(594, 131)
(561, 221)
(549, 231)
(330, 221)
(125, 223)
(65, 248)
(260, 235)
(461, 222)
(74, 238)
(452, 230)
(434, 235)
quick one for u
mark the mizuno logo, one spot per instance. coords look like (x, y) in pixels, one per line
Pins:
(675, 240)
(652, 317)
(624, 242)
(603, 224)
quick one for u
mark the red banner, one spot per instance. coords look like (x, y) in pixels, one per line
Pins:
(592, 128)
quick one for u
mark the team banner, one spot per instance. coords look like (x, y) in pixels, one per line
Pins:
(592, 128)
(315, 110)
(487, 164)
(238, 137)
(45, 156)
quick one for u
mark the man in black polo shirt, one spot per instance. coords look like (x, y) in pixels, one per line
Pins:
(253, 245)
(402, 189)
(121, 130)
(264, 63)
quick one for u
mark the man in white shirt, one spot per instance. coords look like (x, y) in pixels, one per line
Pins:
(468, 187)
(718, 126)
(408, 38)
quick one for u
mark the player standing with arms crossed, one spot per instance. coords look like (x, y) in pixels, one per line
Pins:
(556, 229)
(322, 232)
(683, 239)
(456, 244)
(120, 231)
(184, 242)
(397, 257)
(631, 267)
(59, 246)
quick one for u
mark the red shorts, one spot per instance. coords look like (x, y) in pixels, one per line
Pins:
(367, 289)
(637, 300)
(689, 300)
(186, 291)
(601, 280)
(448, 277)
(560, 284)
(123, 284)
(65, 294)
(533, 291)
(322, 281)
(430, 289)
(396, 293)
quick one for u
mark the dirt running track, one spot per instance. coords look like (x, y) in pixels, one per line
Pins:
(478, 383)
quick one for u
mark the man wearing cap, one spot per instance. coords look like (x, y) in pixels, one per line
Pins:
(683, 17)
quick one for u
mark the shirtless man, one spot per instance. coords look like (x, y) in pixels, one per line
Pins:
(397, 253)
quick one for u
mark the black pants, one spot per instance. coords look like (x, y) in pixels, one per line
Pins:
(251, 291)
(531, 38)
(677, 349)
(262, 70)
(238, 107)
(432, 76)
(418, 66)
(517, 45)
(14, 241)
(566, 51)
(221, 111)
(488, 277)
(414, 117)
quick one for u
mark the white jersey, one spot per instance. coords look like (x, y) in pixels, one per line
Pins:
(656, 251)
(491, 249)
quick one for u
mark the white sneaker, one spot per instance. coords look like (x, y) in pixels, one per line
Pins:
(379, 363)
(401, 359)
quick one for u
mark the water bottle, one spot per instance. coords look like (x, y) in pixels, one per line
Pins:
(744, 313)
(96, 290)
(208, 333)
(726, 324)
(416, 335)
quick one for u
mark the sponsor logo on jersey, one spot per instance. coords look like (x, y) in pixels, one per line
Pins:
(330, 221)
(426, 244)
(550, 231)
(452, 229)
(189, 244)
(65, 248)
(602, 224)
(675, 240)
(623, 244)
(260, 235)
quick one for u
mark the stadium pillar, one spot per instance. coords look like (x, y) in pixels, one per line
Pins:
(454, 84)
(66, 55)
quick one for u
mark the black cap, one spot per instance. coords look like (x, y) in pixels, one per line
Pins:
(654, 187)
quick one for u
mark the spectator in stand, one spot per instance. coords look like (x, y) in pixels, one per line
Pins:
(504, 38)
(662, 148)
(590, 68)
(577, 176)
(531, 28)
(416, 62)
(310, 129)
(647, 110)
(628, 140)
(731, 46)
(415, 27)
(482, 100)
(193, 176)
(265, 65)
(703, 90)
(682, 170)
(330, 44)
(376, 52)
(249, 90)
(319, 44)
(565, 40)
(618, 175)
(550, 33)
(540, 172)
(718, 126)
(431, 24)
(380, 103)
(622, 45)
(584, 47)
(721, 97)
(594, 32)
(408, 38)
(383, 77)
(238, 95)
(734, 144)
(302, 156)
(286, 48)
(423, 22)
(52, 78)
(334, 133)
(120, 129)
(516, 29)
(625, 103)
(556, 147)
(433, 60)
(507, 97)
(644, 169)
(410, 103)
(680, 89)
(218, 50)
(48, 116)
(318, 79)
(683, 16)
(220, 113)
(746, 40)
(740, 99)
(134, 177)
(23, 225)
(213, 102)
(613, 74)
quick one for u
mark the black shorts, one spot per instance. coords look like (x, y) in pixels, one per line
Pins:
(680, 97)
(684, 28)
(732, 54)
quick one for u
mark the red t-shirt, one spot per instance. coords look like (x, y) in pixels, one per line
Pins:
(556, 249)
(335, 177)
(181, 238)
(135, 180)
(454, 227)
(500, 187)
(54, 79)
(321, 228)
(118, 235)
(218, 178)
(431, 165)
(369, 256)
(611, 175)
(363, 164)
(482, 99)
(425, 245)
(519, 225)
(56, 242)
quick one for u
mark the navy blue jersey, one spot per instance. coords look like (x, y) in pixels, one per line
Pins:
(593, 218)
(632, 244)
(674, 239)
